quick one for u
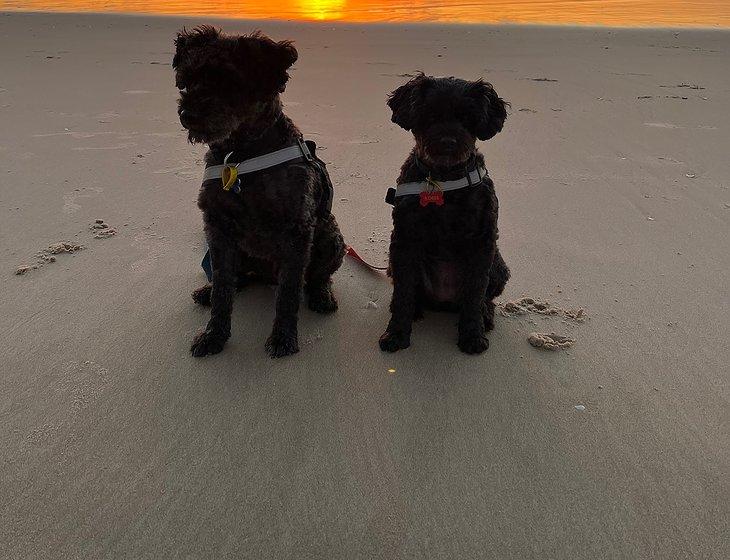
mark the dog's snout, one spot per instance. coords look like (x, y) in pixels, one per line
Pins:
(448, 143)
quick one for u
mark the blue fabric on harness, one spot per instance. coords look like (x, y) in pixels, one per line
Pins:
(325, 205)
(207, 264)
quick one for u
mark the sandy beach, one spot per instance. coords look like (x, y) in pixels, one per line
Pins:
(614, 187)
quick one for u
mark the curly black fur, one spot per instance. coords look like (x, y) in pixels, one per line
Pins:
(446, 256)
(275, 230)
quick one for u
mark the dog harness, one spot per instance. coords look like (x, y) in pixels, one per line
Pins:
(431, 191)
(231, 173)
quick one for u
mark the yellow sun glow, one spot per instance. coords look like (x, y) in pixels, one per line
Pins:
(321, 10)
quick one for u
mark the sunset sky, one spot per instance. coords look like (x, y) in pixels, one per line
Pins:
(607, 12)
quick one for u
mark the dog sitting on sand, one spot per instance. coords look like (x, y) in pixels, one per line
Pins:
(443, 248)
(265, 196)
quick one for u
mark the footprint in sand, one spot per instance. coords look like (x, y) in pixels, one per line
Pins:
(662, 125)
(70, 204)
(151, 243)
(526, 305)
(48, 255)
(76, 387)
(547, 341)
(102, 230)
(97, 148)
(684, 85)
(550, 341)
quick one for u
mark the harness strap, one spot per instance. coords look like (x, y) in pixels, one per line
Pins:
(261, 162)
(474, 177)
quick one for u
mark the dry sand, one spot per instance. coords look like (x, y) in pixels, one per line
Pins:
(613, 180)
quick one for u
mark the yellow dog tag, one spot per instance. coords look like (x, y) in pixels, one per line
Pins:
(229, 176)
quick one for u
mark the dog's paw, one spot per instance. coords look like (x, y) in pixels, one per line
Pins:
(201, 296)
(473, 343)
(282, 343)
(322, 301)
(392, 342)
(207, 342)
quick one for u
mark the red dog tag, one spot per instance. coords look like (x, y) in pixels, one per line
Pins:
(432, 197)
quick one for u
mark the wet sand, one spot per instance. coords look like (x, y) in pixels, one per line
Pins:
(613, 183)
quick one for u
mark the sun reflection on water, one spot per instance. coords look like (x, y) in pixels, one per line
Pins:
(321, 10)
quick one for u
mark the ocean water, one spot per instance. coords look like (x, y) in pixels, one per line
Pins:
(706, 13)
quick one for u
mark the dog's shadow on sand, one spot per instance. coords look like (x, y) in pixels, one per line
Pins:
(342, 418)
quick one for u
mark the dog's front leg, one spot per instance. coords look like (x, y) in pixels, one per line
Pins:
(405, 268)
(283, 340)
(218, 330)
(476, 262)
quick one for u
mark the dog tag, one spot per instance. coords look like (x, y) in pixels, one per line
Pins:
(229, 175)
(432, 197)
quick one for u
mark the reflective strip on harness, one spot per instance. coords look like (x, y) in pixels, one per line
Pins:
(473, 178)
(260, 162)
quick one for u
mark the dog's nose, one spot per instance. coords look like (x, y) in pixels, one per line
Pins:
(448, 143)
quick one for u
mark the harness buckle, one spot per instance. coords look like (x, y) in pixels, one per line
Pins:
(306, 154)
(390, 196)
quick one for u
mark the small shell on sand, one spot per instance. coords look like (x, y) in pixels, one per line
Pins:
(550, 341)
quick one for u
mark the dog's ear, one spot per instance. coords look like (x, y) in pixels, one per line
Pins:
(286, 54)
(402, 101)
(492, 109)
(188, 41)
(270, 58)
(195, 38)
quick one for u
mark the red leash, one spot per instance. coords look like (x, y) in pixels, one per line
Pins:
(353, 254)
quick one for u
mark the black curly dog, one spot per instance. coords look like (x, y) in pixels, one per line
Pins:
(274, 230)
(446, 257)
